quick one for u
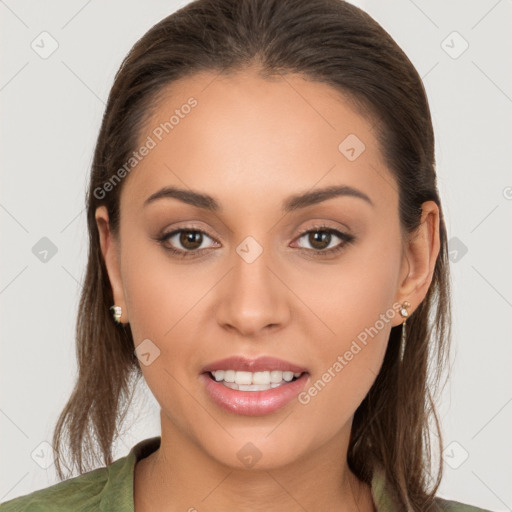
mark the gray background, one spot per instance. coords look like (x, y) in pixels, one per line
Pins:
(51, 112)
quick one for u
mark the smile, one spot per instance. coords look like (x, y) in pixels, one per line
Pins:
(253, 381)
(253, 387)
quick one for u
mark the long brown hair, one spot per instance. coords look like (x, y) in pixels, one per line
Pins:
(325, 40)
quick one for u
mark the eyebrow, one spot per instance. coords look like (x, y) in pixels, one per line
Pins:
(294, 202)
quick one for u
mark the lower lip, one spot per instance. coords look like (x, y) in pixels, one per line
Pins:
(253, 403)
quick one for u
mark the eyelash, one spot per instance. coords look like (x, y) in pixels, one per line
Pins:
(345, 237)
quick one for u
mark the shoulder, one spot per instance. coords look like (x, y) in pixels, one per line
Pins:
(104, 489)
(386, 500)
(455, 506)
(79, 493)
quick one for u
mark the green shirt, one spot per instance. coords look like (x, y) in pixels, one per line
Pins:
(110, 489)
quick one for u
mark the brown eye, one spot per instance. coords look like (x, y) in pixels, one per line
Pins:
(184, 242)
(320, 239)
(191, 239)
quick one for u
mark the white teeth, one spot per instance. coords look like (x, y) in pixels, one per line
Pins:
(287, 376)
(276, 376)
(252, 387)
(261, 377)
(229, 375)
(243, 378)
(253, 381)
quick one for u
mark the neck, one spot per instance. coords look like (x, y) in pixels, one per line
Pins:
(181, 476)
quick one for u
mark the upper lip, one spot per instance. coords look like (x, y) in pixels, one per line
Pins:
(259, 364)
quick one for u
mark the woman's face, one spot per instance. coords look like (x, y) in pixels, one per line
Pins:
(246, 281)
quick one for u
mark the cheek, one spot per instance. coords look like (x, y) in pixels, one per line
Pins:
(347, 366)
(159, 292)
(351, 296)
(164, 300)
(356, 302)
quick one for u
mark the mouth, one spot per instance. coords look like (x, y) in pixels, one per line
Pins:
(253, 387)
(253, 381)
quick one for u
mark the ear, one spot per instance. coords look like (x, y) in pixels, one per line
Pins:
(419, 259)
(110, 250)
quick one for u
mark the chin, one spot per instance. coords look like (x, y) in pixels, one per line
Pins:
(258, 450)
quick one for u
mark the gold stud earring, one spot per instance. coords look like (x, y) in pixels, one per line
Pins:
(116, 313)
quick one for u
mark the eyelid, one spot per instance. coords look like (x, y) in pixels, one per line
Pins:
(345, 236)
(188, 226)
(319, 225)
(166, 235)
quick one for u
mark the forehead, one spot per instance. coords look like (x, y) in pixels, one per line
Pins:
(244, 135)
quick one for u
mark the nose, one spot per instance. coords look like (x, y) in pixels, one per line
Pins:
(252, 300)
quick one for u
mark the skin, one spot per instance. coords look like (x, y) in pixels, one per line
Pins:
(251, 143)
